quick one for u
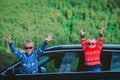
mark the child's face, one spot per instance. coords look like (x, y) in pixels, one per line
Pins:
(28, 47)
(91, 43)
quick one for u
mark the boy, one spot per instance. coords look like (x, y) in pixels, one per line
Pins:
(92, 50)
(28, 58)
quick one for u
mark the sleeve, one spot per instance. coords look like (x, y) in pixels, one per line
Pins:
(100, 41)
(41, 49)
(83, 42)
(16, 52)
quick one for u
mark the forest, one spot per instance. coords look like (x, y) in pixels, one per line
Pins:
(35, 19)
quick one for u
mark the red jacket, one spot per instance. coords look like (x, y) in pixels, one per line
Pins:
(92, 55)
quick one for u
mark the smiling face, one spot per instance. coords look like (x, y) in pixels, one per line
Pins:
(28, 47)
(91, 43)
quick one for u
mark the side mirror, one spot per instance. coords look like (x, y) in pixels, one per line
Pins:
(43, 70)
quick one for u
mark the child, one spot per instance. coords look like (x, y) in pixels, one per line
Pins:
(92, 50)
(28, 58)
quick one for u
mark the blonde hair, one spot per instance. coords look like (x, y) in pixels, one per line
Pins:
(27, 41)
(92, 40)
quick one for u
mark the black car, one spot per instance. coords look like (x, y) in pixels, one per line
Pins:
(66, 62)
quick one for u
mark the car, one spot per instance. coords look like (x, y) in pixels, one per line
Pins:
(66, 62)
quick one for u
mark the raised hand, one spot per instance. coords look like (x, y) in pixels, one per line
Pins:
(7, 38)
(49, 38)
(81, 32)
(101, 30)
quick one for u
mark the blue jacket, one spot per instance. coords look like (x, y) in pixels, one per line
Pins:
(29, 63)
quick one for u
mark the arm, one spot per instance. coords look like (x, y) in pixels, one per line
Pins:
(100, 39)
(83, 40)
(12, 47)
(41, 50)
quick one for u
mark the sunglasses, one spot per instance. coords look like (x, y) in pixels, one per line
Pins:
(28, 47)
(91, 43)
